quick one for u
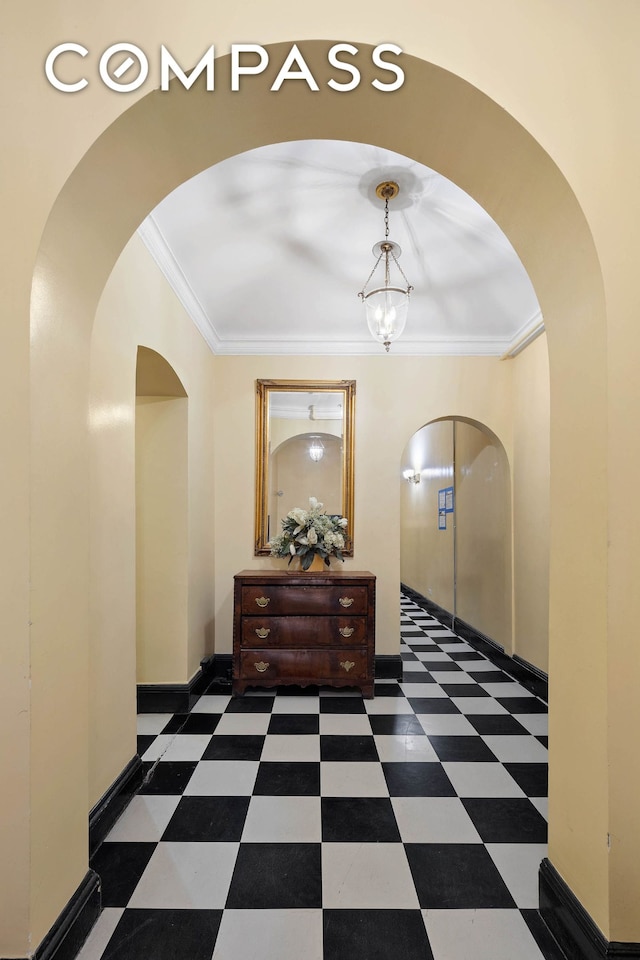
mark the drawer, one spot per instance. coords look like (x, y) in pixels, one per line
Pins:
(303, 631)
(297, 600)
(264, 665)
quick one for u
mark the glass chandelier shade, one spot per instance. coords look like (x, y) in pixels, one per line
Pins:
(386, 305)
(316, 449)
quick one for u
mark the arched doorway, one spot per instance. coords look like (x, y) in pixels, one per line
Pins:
(482, 149)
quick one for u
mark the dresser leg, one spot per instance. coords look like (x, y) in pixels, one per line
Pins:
(367, 691)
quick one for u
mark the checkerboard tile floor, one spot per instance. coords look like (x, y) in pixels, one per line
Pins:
(315, 824)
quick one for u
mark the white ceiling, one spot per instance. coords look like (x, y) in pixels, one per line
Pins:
(268, 250)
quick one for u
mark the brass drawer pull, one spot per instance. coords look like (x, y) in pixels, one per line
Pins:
(261, 666)
(347, 664)
(346, 631)
(263, 632)
(345, 601)
(262, 601)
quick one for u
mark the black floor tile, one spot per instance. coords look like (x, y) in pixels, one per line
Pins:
(278, 779)
(382, 689)
(465, 655)
(375, 935)
(196, 723)
(342, 705)
(358, 820)
(294, 723)
(497, 723)
(120, 866)
(405, 724)
(250, 705)
(417, 780)
(295, 691)
(168, 777)
(440, 666)
(544, 741)
(347, 747)
(423, 647)
(461, 749)
(490, 676)
(506, 820)
(458, 876)
(234, 747)
(408, 656)
(522, 704)
(433, 705)
(463, 690)
(533, 778)
(164, 935)
(143, 743)
(276, 876)
(207, 819)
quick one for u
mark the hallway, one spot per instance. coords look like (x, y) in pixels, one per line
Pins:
(315, 824)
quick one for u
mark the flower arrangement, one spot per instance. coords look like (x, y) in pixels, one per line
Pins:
(310, 533)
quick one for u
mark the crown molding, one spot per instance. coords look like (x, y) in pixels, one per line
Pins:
(503, 347)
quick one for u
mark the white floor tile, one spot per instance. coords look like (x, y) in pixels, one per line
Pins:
(216, 703)
(101, 933)
(479, 935)
(367, 876)
(518, 864)
(542, 805)
(457, 647)
(482, 780)
(411, 689)
(188, 746)
(339, 724)
(535, 723)
(291, 748)
(434, 820)
(172, 746)
(145, 819)
(388, 705)
(507, 690)
(187, 876)
(269, 935)
(476, 666)
(283, 820)
(352, 779)
(515, 749)
(436, 656)
(401, 748)
(232, 724)
(151, 723)
(296, 705)
(478, 705)
(451, 676)
(222, 778)
(446, 725)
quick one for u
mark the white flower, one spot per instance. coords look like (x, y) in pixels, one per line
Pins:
(312, 536)
(292, 549)
(298, 514)
(342, 522)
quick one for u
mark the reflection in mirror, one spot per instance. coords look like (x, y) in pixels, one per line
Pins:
(304, 448)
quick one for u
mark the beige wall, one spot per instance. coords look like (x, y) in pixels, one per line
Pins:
(138, 307)
(294, 477)
(394, 395)
(483, 533)
(162, 546)
(426, 552)
(531, 482)
(531, 109)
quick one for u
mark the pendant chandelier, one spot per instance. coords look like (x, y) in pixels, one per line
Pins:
(387, 304)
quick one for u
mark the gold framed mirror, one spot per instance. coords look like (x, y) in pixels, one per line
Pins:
(304, 448)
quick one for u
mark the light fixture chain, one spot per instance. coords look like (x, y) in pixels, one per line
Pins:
(366, 283)
(395, 260)
(386, 218)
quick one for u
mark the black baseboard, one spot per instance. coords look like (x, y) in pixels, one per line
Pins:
(171, 697)
(218, 668)
(109, 807)
(571, 925)
(532, 678)
(387, 666)
(71, 929)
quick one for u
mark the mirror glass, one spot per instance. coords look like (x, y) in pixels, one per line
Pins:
(304, 448)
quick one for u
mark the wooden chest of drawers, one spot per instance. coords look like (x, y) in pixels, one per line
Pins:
(303, 628)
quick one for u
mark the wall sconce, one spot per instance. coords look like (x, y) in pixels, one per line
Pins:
(412, 476)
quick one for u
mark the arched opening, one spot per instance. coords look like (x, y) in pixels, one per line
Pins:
(478, 146)
(456, 524)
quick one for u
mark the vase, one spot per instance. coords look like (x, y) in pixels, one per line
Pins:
(317, 565)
